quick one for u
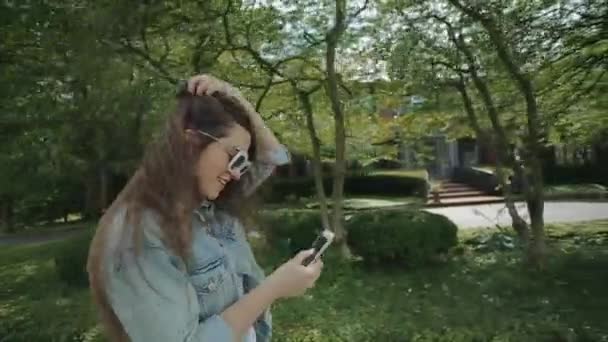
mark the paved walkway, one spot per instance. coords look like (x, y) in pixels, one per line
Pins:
(489, 214)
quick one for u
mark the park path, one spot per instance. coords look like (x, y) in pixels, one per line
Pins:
(485, 215)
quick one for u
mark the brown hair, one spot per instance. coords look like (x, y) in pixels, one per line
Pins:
(166, 183)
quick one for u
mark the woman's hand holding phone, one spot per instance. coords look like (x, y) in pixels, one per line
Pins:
(292, 279)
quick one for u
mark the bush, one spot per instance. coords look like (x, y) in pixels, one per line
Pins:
(71, 260)
(576, 174)
(400, 237)
(291, 230)
(391, 185)
(277, 190)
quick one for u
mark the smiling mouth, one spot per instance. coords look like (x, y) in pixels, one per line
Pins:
(222, 181)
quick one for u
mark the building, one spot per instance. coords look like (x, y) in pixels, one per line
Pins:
(446, 154)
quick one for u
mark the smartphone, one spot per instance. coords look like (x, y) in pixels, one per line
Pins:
(323, 240)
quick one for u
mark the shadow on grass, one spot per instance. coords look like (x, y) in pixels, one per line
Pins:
(473, 297)
(35, 305)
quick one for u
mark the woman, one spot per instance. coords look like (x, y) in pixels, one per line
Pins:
(169, 260)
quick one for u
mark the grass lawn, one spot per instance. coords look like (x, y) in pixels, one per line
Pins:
(46, 229)
(575, 188)
(353, 203)
(371, 202)
(474, 297)
(420, 173)
(583, 192)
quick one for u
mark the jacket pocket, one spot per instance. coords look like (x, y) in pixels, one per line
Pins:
(210, 280)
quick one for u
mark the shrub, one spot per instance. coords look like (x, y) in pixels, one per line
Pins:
(386, 185)
(277, 190)
(71, 260)
(576, 174)
(400, 237)
(291, 230)
(280, 189)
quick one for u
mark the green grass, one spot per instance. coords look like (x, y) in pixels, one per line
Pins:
(420, 173)
(352, 203)
(34, 304)
(584, 192)
(486, 168)
(476, 297)
(473, 297)
(575, 188)
(370, 203)
(46, 228)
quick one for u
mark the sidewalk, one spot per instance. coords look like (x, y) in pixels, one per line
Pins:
(485, 215)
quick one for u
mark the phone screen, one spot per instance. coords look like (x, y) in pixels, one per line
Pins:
(319, 242)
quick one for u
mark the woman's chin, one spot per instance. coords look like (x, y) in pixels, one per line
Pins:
(213, 195)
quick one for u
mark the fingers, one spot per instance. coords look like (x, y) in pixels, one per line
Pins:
(299, 258)
(200, 85)
(193, 84)
(315, 272)
(317, 267)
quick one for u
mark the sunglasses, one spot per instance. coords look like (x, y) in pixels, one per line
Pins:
(239, 161)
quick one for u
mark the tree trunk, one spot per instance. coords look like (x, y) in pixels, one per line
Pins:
(292, 170)
(316, 158)
(104, 188)
(91, 200)
(534, 138)
(519, 225)
(535, 197)
(538, 249)
(137, 148)
(536, 205)
(7, 211)
(333, 37)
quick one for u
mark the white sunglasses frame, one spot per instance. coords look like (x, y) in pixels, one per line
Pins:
(244, 167)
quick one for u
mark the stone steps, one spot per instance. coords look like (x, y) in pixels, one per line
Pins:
(453, 194)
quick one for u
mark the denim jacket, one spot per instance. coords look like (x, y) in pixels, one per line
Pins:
(162, 298)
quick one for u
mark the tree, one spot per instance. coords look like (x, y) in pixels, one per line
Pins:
(301, 68)
(73, 113)
(533, 172)
(501, 50)
(450, 69)
(332, 38)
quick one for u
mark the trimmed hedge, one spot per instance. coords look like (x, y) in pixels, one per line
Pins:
(71, 260)
(574, 174)
(278, 190)
(400, 237)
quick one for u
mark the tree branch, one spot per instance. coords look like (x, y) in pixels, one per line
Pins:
(156, 66)
(359, 11)
(258, 103)
(450, 66)
(256, 86)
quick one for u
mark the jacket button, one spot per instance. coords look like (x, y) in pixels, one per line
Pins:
(212, 286)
